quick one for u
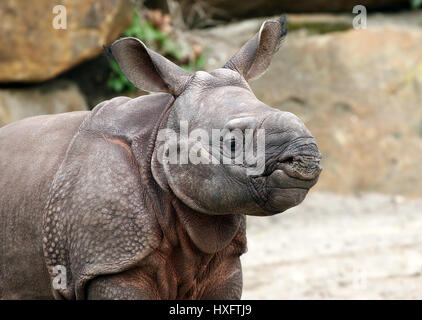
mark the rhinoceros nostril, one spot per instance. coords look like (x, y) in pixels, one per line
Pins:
(288, 160)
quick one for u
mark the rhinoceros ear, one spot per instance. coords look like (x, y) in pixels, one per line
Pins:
(253, 59)
(146, 69)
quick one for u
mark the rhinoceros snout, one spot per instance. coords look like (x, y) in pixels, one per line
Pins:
(290, 147)
(301, 160)
(292, 163)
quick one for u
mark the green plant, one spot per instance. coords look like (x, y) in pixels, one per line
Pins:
(118, 81)
(415, 3)
(158, 41)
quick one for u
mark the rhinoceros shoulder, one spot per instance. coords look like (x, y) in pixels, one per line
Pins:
(127, 118)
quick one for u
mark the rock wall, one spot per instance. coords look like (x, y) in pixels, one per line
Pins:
(358, 91)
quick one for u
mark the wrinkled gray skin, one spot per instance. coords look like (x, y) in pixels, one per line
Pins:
(85, 190)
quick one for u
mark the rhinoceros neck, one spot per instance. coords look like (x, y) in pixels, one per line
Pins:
(143, 145)
(210, 233)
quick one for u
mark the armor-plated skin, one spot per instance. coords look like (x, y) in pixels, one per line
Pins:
(86, 191)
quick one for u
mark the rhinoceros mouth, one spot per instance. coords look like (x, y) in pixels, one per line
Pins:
(286, 181)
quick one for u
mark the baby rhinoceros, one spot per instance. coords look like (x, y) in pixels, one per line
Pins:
(146, 198)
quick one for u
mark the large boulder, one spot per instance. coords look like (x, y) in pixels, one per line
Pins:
(32, 50)
(49, 98)
(358, 91)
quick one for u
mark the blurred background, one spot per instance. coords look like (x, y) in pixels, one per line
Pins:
(359, 90)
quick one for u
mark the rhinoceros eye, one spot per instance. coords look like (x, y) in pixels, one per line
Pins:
(233, 145)
(230, 145)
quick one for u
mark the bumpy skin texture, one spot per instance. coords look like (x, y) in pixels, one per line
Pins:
(178, 270)
(89, 191)
(98, 216)
(31, 151)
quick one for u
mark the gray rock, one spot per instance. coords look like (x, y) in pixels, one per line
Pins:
(51, 98)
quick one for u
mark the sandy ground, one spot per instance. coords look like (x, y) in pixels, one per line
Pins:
(337, 247)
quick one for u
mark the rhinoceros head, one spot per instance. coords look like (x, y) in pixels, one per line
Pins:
(220, 150)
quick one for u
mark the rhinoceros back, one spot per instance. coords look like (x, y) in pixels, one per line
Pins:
(31, 151)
